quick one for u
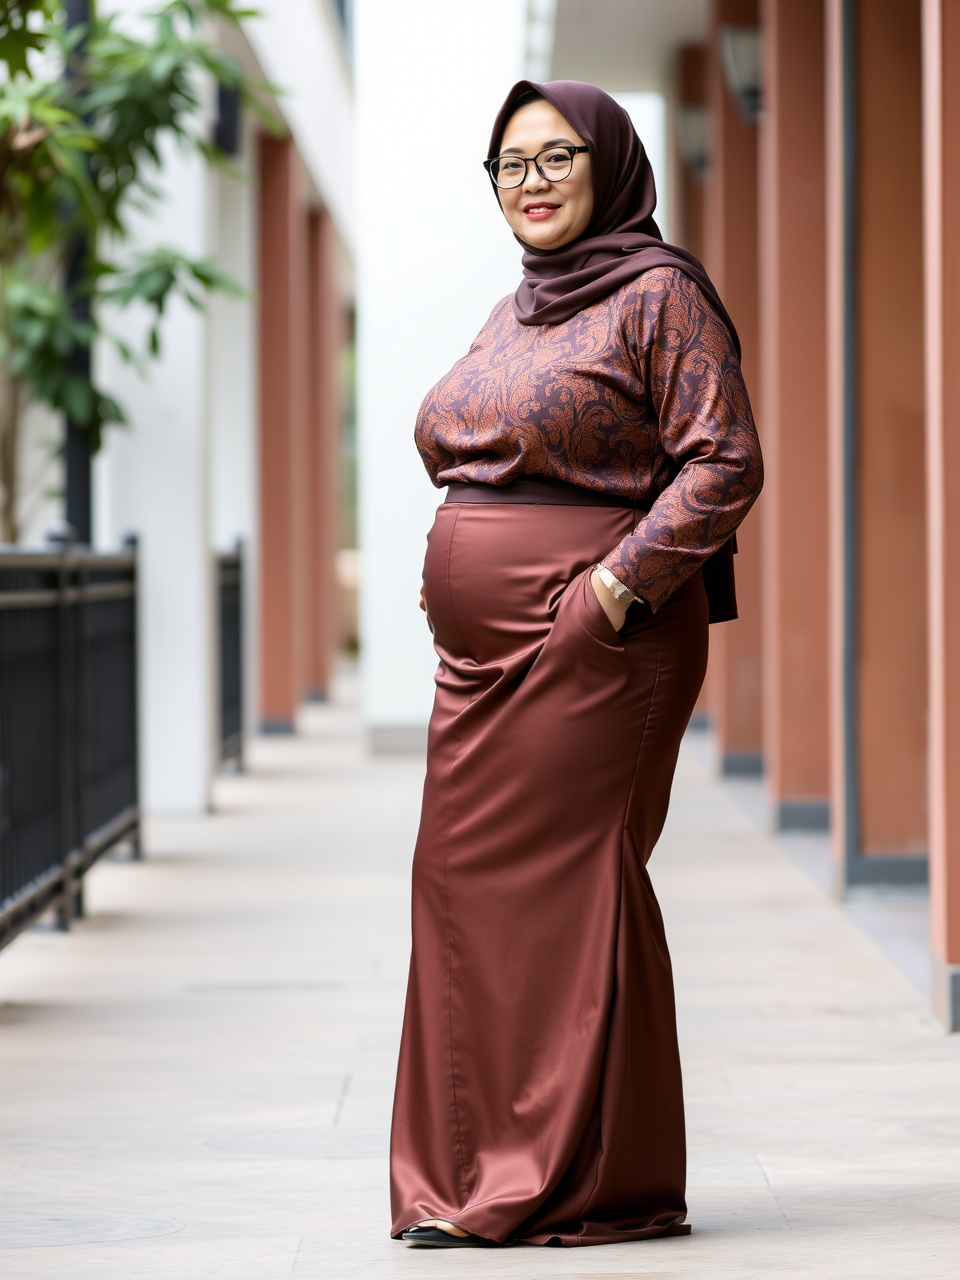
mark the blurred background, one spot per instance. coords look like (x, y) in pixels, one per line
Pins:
(214, 228)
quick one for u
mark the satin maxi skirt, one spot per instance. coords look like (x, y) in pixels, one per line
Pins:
(538, 1093)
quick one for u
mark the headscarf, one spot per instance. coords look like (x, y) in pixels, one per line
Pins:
(622, 240)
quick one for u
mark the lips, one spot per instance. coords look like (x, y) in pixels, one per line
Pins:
(539, 211)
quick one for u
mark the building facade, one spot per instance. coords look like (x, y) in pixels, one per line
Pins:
(852, 195)
(235, 432)
(815, 172)
(814, 168)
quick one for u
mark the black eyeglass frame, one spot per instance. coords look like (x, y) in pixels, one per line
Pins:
(528, 160)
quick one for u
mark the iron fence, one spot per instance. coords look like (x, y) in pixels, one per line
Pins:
(230, 616)
(68, 725)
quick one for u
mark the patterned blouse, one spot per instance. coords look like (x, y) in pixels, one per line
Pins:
(639, 395)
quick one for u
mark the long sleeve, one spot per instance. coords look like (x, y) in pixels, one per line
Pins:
(692, 374)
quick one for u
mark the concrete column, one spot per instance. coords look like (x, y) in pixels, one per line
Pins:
(876, 441)
(793, 410)
(730, 250)
(941, 178)
(152, 479)
(232, 375)
(326, 340)
(284, 439)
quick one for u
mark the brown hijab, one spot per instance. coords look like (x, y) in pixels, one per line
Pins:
(622, 240)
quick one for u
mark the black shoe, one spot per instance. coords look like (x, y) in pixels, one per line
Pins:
(437, 1238)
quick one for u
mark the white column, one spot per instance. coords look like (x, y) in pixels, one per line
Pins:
(232, 388)
(433, 259)
(152, 479)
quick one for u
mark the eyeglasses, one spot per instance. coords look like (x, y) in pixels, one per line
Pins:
(554, 164)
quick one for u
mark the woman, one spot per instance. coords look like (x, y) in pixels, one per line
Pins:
(598, 450)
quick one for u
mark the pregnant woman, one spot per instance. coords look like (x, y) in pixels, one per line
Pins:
(598, 450)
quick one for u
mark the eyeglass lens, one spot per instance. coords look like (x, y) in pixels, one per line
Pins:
(510, 171)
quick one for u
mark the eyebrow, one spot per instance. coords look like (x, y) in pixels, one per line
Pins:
(554, 142)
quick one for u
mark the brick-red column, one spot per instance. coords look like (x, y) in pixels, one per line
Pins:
(891, 515)
(326, 340)
(730, 249)
(941, 129)
(283, 320)
(878, 650)
(691, 91)
(793, 410)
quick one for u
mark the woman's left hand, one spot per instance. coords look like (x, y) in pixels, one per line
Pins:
(423, 606)
(615, 609)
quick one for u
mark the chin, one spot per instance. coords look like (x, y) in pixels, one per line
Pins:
(553, 240)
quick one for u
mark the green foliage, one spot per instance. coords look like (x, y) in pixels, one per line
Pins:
(137, 93)
(155, 276)
(84, 114)
(19, 32)
(42, 337)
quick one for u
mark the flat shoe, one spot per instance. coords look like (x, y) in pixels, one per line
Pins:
(437, 1238)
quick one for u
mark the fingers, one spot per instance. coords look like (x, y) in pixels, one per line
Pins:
(423, 606)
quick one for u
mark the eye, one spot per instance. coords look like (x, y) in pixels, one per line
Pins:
(510, 165)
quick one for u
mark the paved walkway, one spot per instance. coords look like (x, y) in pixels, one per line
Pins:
(196, 1081)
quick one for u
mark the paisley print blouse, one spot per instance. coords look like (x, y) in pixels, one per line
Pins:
(638, 395)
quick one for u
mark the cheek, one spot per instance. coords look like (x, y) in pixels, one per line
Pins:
(585, 210)
(510, 207)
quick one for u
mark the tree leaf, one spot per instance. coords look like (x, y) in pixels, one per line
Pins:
(79, 157)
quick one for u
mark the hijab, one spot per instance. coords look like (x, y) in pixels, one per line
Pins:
(622, 239)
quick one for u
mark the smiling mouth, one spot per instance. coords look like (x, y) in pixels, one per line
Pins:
(540, 208)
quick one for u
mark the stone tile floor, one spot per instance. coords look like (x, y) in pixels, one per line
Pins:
(197, 1080)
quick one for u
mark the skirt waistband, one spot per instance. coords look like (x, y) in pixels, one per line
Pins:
(551, 493)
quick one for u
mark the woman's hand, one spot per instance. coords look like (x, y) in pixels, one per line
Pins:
(423, 606)
(615, 609)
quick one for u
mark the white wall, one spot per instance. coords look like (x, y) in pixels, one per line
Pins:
(433, 258)
(41, 474)
(298, 45)
(648, 111)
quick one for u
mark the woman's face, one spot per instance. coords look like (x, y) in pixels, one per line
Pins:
(546, 214)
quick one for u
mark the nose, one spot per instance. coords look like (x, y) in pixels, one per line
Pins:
(533, 180)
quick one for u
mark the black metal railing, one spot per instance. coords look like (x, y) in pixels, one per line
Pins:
(68, 725)
(230, 616)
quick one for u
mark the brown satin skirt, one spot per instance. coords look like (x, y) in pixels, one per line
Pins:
(538, 1093)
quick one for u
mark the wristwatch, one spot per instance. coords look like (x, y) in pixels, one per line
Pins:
(619, 592)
